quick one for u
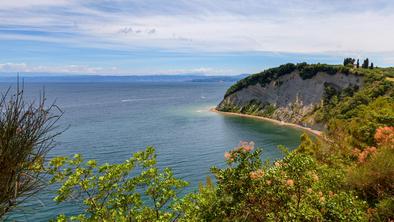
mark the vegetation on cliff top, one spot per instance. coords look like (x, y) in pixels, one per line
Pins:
(306, 71)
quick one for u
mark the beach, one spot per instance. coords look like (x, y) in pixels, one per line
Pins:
(307, 129)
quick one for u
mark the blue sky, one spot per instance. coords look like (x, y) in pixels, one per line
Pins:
(215, 37)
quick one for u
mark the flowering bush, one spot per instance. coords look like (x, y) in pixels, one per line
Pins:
(293, 189)
(384, 136)
(373, 175)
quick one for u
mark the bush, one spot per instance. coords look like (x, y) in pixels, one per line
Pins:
(27, 132)
(310, 71)
(135, 190)
(384, 210)
(373, 176)
(293, 189)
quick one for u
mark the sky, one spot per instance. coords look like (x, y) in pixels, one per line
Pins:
(211, 37)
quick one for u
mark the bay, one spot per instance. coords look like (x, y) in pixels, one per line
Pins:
(108, 121)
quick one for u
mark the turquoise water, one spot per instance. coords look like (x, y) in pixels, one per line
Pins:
(110, 121)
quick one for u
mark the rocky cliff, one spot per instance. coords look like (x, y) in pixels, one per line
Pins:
(290, 94)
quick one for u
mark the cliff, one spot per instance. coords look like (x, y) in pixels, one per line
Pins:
(291, 93)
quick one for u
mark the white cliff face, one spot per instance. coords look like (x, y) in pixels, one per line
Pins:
(292, 97)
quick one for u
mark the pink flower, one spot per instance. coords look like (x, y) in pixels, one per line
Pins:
(290, 182)
(371, 149)
(227, 155)
(246, 146)
(256, 174)
(366, 153)
(269, 182)
(385, 135)
(277, 164)
(356, 152)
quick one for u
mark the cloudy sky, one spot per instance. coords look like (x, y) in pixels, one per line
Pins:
(128, 37)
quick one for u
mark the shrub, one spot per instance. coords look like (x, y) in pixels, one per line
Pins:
(293, 189)
(348, 61)
(135, 190)
(384, 210)
(311, 70)
(374, 178)
(27, 132)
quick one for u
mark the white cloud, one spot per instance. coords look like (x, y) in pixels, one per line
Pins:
(68, 69)
(220, 26)
(78, 69)
(17, 4)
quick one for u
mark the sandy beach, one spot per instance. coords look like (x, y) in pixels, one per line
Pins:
(309, 130)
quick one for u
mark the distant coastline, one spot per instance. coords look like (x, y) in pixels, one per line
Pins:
(309, 130)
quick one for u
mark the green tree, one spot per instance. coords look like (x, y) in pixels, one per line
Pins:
(348, 61)
(365, 64)
(135, 190)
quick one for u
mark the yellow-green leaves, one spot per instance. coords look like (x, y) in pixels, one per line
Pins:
(134, 190)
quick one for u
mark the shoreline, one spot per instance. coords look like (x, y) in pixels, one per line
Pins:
(307, 129)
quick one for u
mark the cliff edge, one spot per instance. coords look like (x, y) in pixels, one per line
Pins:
(292, 93)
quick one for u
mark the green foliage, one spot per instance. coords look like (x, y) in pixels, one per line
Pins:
(228, 107)
(318, 181)
(365, 64)
(367, 118)
(332, 97)
(253, 108)
(374, 178)
(293, 189)
(311, 70)
(135, 190)
(384, 210)
(307, 146)
(306, 71)
(348, 61)
(334, 178)
(262, 78)
(358, 112)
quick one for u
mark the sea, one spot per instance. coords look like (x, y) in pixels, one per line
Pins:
(109, 121)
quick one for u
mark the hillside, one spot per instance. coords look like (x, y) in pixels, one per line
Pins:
(299, 93)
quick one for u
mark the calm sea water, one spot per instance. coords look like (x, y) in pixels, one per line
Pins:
(110, 121)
